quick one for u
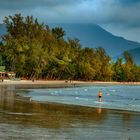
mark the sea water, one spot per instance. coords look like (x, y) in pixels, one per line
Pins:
(124, 97)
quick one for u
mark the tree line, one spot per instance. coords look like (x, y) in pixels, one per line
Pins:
(33, 50)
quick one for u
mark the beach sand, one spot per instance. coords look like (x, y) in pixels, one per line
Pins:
(63, 82)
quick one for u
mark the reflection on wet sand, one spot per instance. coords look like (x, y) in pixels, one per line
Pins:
(7, 96)
(99, 108)
(66, 118)
(52, 115)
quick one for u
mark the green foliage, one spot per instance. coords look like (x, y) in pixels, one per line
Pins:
(125, 69)
(2, 68)
(118, 70)
(33, 50)
(58, 32)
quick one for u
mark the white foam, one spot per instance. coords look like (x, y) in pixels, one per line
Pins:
(85, 89)
(97, 102)
(77, 98)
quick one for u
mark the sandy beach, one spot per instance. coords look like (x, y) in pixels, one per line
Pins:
(63, 82)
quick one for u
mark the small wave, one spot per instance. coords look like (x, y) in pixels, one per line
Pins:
(100, 102)
(76, 97)
(134, 105)
(86, 89)
(113, 90)
(20, 113)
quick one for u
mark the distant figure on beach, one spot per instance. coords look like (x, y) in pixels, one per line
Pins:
(100, 94)
(33, 80)
(2, 79)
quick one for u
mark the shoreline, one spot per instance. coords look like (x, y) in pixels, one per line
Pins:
(98, 108)
(64, 83)
(25, 84)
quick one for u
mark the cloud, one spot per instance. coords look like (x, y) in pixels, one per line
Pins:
(25, 4)
(115, 13)
(38, 8)
(129, 2)
(100, 12)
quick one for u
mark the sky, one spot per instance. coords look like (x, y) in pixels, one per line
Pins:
(120, 17)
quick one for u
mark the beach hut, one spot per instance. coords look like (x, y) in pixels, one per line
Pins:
(10, 75)
(6, 75)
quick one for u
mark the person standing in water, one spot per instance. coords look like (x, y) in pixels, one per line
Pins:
(100, 94)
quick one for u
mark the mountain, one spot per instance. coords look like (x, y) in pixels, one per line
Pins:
(92, 35)
(136, 54)
(2, 29)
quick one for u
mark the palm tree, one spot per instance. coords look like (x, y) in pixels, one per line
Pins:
(58, 32)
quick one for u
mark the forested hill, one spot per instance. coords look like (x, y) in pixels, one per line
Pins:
(92, 35)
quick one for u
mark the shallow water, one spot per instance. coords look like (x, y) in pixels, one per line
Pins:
(21, 118)
(114, 97)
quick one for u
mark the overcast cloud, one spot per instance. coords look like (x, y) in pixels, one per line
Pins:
(120, 17)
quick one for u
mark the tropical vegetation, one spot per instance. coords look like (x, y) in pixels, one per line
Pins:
(33, 50)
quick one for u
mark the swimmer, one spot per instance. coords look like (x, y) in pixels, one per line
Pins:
(100, 96)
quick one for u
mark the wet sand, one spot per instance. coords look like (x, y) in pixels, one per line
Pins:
(21, 118)
(35, 121)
